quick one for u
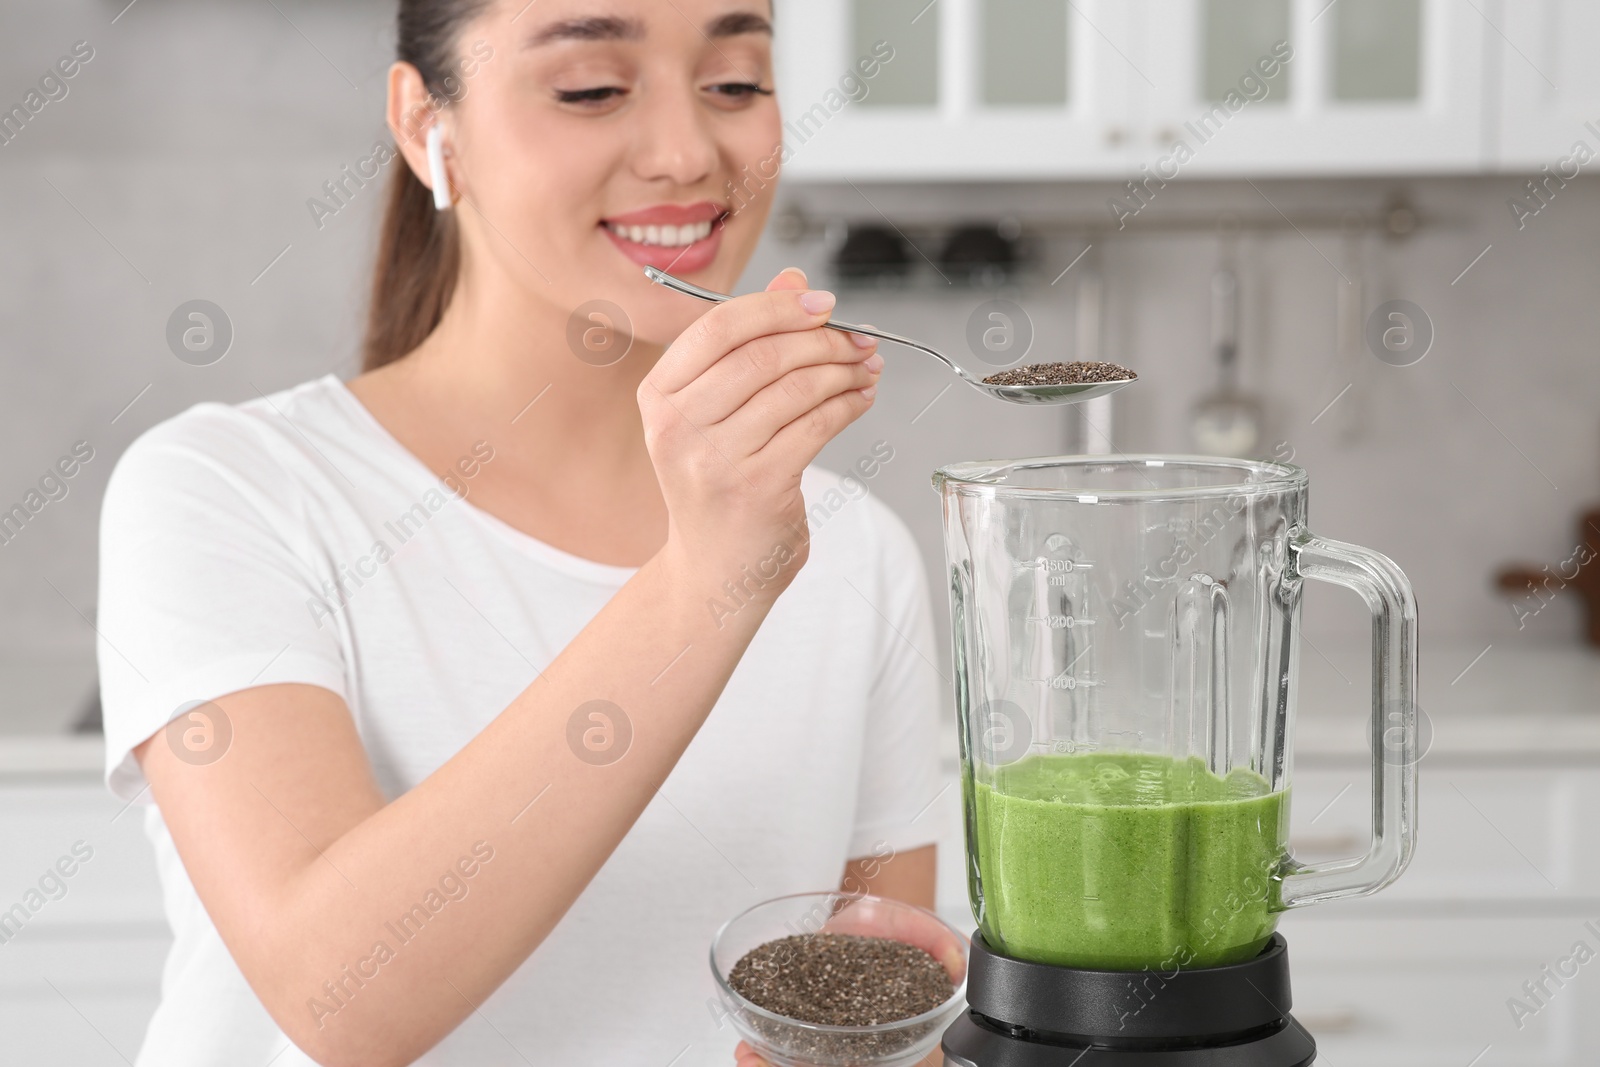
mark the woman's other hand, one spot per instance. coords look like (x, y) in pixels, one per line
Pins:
(745, 1056)
(914, 927)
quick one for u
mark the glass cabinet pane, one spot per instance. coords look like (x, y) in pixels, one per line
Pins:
(1024, 51)
(1238, 34)
(911, 29)
(1377, 49)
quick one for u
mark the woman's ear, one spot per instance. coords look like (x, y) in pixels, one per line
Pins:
(412, 112)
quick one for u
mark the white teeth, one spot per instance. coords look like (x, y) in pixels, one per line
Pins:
(664, 236)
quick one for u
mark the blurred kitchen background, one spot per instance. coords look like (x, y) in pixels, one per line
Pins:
(1099, 179)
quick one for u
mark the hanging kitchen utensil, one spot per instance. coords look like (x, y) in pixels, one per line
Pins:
(1349, 412)
(1095, 416)
(1227, 422)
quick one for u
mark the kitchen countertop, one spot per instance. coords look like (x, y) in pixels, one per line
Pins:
(52, 756)
(1514, 702)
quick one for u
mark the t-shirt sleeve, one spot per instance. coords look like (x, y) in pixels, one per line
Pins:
(202, 591)
(900, 772)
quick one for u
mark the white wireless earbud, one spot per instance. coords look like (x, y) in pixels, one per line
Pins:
(436, 171)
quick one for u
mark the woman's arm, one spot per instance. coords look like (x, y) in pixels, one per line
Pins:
(301, 864)
(908, 876)
(371, 930)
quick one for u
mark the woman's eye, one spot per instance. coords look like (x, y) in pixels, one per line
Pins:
(740, 90)
(588, 96)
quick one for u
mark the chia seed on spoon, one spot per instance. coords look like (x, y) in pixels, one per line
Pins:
(1062, 374)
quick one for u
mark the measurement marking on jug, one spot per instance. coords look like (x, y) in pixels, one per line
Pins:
(1070, 681)
(1059, 566)
(1061, 622)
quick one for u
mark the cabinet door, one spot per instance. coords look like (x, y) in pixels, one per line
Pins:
(952, 89)
(1439, 992)
(82, 946)
(1373, 86)
(1512, 835)
(1551, 97)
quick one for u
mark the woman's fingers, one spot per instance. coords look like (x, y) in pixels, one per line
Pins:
(754, 425)
(742, 374)
(797, 443)
(903, 924)
(745, 1056)
(814, 369)
(789, 278)
(733, 324)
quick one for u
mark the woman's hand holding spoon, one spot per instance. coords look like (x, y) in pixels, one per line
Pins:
(733, 413)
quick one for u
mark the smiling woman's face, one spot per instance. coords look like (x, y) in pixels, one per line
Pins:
(605, 135)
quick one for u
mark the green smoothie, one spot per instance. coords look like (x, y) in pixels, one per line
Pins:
(1122, 861)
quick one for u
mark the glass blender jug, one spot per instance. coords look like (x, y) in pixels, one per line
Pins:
(1125, 643)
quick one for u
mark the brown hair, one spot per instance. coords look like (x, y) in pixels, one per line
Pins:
(419, 251)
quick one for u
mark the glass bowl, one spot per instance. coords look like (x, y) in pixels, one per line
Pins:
(786, 1042)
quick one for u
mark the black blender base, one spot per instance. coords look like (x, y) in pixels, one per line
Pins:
(1024, 1014)
(973, 1041)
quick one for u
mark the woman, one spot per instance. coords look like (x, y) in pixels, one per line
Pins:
(474, 781)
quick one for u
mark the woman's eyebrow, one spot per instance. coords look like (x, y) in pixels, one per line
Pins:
(601, 28)
(738, 23)
(609, 28)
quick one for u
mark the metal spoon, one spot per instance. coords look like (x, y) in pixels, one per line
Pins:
(1016, 394)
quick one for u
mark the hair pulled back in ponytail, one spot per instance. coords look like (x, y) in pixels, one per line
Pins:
(419, 250)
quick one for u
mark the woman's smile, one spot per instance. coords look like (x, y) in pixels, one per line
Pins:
(676, 237)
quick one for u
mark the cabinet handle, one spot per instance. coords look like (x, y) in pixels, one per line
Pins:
(1336, 844)
(1338, 1021)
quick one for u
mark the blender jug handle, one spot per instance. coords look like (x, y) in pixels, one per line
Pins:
(1393, 734)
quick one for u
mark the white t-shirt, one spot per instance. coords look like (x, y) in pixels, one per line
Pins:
(292, 539)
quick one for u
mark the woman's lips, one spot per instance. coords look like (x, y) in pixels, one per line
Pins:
(680, 259)
(670, 214)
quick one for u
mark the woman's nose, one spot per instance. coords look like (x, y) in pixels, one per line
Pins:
(674, 140)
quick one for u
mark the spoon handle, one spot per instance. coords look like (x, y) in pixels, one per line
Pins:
(661, 277)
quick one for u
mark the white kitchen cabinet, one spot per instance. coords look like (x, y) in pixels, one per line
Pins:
(80, 964)
(924, 113)
(1501, 834)
(1019, 89)
(1502, 885)
(1421, 991)
(1373, 86)
(1551, 83)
